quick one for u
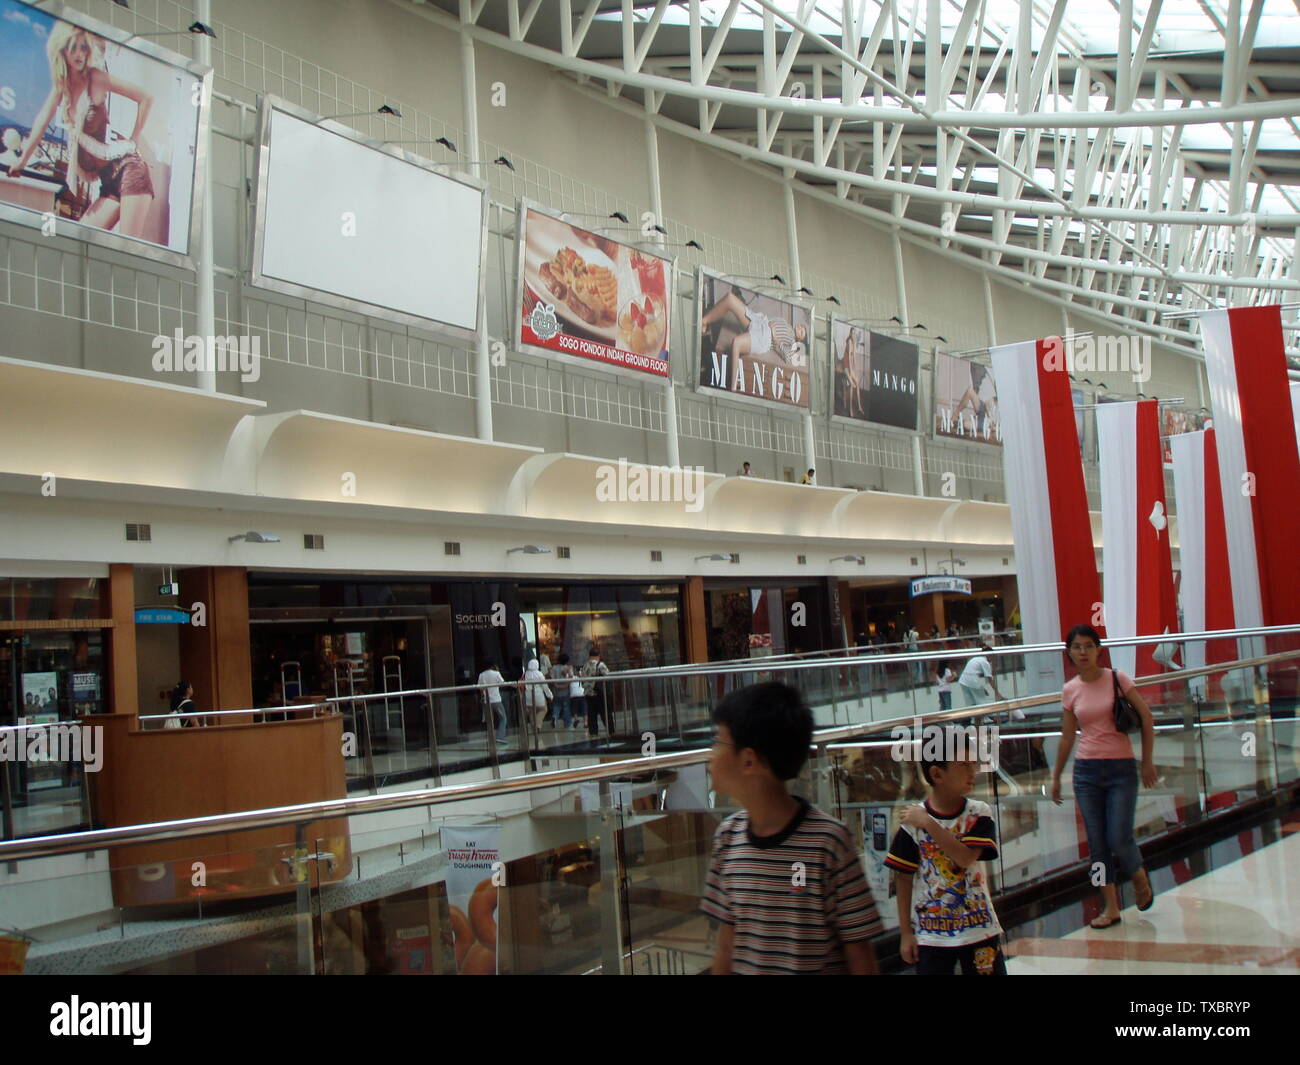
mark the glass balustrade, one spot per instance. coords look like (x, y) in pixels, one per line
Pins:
(580, 867)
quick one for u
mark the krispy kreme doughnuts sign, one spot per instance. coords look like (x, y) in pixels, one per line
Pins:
(474, 873)
(586, 295)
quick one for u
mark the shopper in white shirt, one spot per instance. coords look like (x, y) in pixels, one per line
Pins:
(492, 678)
(973, 677)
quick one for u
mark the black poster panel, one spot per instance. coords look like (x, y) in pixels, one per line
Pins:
(892, 395)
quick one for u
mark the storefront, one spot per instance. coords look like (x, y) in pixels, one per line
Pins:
(777, 617)
(884, 610)
(52, 661)
(314, 637)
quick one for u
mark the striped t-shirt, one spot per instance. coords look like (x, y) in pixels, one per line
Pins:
(794, 899)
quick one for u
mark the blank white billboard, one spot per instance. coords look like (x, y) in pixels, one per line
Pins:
(347, 223)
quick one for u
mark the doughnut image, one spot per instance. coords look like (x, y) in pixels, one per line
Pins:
(460, 928)
(479, 961)
(476, 934)
(482, 911)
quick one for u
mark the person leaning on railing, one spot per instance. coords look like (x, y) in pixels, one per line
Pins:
(1105, 773)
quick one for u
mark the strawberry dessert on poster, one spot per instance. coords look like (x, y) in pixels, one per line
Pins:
(586, 295)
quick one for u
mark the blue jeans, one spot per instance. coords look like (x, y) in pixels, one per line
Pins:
(945, 700)
(1106, 791)
(561, 710)
(499, 711)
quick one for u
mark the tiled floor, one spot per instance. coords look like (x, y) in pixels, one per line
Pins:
(1242, 917)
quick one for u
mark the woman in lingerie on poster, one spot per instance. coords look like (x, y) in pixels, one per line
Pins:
(761, 333)
(80, 94)
(853, 386)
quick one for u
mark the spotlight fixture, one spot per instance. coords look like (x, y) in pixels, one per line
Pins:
(715, 557)
(755, 277)
(254, 537)
(384, 109)
(861, 560)
(595, 214)
(446, 144)
(196, 27)
(530, 549)
(833, 299)
(805, 291)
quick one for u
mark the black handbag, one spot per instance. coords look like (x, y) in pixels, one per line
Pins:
(1127, 718)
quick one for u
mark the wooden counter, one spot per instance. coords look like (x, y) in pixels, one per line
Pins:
(168, 774)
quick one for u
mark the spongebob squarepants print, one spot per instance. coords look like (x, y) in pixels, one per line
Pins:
(954, 901)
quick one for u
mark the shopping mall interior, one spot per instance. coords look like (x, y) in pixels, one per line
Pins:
(366, 611)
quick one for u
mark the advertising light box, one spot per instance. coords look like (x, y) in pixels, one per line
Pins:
(752, 345)
(588, 296)
(351, 223)
(874, 376)
(101, 133)
(965, 401)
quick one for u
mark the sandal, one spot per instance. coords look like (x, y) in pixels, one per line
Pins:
(1150, 892)
(1093, 923)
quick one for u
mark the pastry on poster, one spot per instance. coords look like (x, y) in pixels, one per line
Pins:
(594, 297)
(476, 933)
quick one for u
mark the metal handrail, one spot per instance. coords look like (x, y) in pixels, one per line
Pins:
(770, 665)
(305, 813)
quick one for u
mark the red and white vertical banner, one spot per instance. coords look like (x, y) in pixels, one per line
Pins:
(1139, 573)
(1245, 363)
(1206, 585)
(1056, 565)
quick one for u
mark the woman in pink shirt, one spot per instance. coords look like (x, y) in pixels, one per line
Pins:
(1105, 771)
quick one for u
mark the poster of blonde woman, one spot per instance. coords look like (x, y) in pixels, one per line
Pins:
(99, 129)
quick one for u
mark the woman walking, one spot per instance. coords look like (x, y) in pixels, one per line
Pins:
(1105, 771)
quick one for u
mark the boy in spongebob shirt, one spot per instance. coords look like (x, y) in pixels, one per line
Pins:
(950, 920)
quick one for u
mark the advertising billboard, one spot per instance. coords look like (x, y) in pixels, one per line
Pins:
(100, 132)
(965, 401)
(588, 296)
(874, 376)
(752, 345)
(354, 224)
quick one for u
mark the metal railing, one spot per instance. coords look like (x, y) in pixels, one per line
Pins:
(306, 813)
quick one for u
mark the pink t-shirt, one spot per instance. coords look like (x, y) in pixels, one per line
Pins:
(1094, 709)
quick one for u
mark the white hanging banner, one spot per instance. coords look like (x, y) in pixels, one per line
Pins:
(1139, 576)
(474, 872)
(1206, 586)
(1056, 562)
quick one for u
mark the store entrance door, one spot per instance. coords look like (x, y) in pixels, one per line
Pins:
(46, 676)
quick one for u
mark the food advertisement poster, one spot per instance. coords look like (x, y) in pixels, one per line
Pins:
(965, 401)
(589, 296)
(473, 862)
(752, 344)
(874, 376)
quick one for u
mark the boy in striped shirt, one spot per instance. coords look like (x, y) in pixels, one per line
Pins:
(785, 881)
